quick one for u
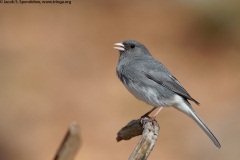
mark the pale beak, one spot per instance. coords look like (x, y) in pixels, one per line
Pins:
(119, 46)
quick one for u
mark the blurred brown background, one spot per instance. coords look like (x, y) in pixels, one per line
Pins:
(57, 65)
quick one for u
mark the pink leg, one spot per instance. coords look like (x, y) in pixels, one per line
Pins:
(146, 114)
(154, 116)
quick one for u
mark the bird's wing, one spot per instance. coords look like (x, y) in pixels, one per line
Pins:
(165, 79)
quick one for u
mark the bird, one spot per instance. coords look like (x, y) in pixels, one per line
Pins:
(150, 81)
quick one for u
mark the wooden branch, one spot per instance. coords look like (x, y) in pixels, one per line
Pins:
(149, 130)
(70, 144)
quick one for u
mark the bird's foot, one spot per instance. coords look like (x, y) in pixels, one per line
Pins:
(145, 115)
(146, 118)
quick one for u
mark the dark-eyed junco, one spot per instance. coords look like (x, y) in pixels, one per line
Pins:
(150, 81)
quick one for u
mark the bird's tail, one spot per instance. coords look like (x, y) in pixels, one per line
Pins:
(191, 113)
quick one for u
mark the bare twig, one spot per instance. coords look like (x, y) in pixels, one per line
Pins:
(149, 131)
(70, 144)
(132, 129)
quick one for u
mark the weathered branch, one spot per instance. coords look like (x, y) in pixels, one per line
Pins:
(149, 130)
(70, 144)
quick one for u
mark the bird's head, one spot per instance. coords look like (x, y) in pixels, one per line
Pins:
(131, 48)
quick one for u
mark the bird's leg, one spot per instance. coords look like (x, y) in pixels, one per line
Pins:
(146, 114)
(154, 116)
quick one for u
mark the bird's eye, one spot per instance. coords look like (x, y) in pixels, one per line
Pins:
(132, 46)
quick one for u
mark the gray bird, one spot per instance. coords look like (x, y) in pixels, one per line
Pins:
(150, 81)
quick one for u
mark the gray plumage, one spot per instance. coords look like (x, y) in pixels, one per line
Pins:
(150, 81)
